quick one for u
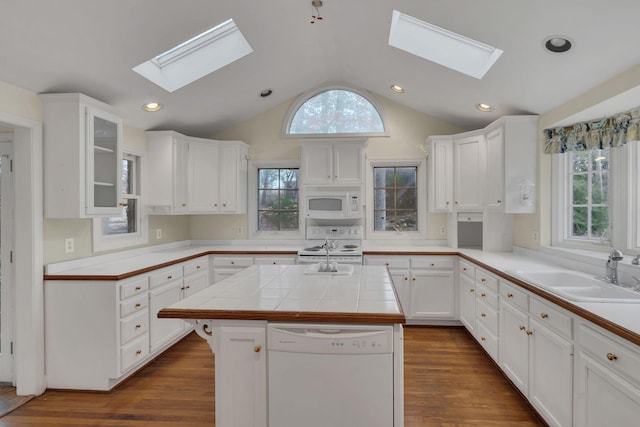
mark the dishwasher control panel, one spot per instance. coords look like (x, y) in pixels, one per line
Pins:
(330, 339)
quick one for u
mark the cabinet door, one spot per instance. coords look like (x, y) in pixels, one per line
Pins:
(195, 283)
(432, 294)
(602, 398)
(494, 187)
(317, 163)
(551, 374)
(180, 177)
(469, 170)
(467, 302)
(347, 163)
(203, 182)
(104, 163)
(441, 176)
(228, 179)
(163, 330)
(514, 345)
(241, 371)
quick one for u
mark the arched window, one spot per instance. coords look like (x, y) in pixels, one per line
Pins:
(334, 112)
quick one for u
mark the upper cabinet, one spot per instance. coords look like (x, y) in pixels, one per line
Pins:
(333, 162)
(82, 157)
(196, 175)
(493, 168)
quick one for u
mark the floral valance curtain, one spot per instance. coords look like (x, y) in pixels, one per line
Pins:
(613, 131)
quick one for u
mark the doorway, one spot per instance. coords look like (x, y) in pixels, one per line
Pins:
(7, 294)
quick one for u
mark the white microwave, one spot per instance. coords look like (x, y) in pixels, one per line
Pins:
(333, 203)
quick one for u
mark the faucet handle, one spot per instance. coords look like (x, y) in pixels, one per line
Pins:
(636, 261)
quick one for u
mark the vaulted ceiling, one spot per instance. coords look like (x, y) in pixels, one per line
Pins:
(91, 46)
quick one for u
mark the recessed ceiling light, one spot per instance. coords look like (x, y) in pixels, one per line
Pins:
(485, 108)
(266, 93)
(152, 106)
(397, 89)
(557, 44)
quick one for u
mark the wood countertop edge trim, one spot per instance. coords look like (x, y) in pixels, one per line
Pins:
(282, 316)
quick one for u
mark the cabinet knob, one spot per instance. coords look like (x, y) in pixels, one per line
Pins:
(414, 279)
(224, 205)
(455, 203)
(464, 268)
(138, 352)
(483, 295)
(483, 280)
(138, 326)
(499, 201)
(522, 328)
(188, 286)
(544, 315)
(138, 305)
(169, 277)
(122, 204)
(197, 266)
(509, 295)
(612, 356)
(138, 288)
(406, 278)
(233, 262)
(483, 315)
(257, 348)
(472, 290)
(274, 263)
(529, 333)
(433, 264)
(447, 203)
(483, 339)
(184, 204)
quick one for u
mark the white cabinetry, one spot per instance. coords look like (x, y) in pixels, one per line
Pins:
(82, 157)
(165, 288)
(511, 165)
(400, 270)
(241, 349)
(607, 379)
(486, 310)
(333, 162)
(227, 266)
(469, 170)
(536, 352)
(467, 292)
(440, 183)
(275, 260)
(196, 175)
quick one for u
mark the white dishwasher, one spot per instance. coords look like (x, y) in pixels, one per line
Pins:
(330, 375)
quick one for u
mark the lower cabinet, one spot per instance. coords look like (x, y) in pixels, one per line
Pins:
(467, 292)
(227, 266)
(607, 379)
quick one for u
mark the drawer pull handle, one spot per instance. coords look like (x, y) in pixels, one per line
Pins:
(184, 204)
(472, 290)
(169, 277)
(274, 263)
(509, 295)
(464, 268)
(386, 264)
(257, 348)
(612, 356)
(197, 266)
(138, 326)
(138, 352)
(499, 201)
(483, 315)
(433, 264)
(544, 315)
(233, 262)
(138, 288)
(522, 328)
(414, 279)
(483, 295)
(483, 339)
(188, 286)
(529, 333)
(138, 305)
(406, 278)
(483, 280)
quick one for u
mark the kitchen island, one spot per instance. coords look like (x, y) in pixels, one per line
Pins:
(272, 325)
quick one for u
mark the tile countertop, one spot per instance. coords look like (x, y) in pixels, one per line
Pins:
(287, 293)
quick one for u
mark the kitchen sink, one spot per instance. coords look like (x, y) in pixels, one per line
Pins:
(335, 270)
(576, 286)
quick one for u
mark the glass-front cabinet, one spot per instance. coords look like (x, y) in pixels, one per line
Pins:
(82, 157)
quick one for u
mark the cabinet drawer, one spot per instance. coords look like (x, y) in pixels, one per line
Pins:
(197, 265)
(233, 262)
(134, 287)
(609, 352)
(487, 296)
(487, 316)
(392, 263)
(134, 326)
(467, 269)
(551, 317)
(487, 279)
(487, 340)
(134, 353)
(438, 262)
(275, 261)
(134, 304)
(514, 295)
(165, 276)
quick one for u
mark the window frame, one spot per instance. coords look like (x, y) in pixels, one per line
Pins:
(421, 184)
(252, 203)
(103, 242)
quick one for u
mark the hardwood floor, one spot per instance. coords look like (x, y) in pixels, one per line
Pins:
(449, 381)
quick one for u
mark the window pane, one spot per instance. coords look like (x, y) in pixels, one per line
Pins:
(406, 198)
(580, 161)
(267, 199)
(600, 160)
(278, 199)
(289, 178)
(406, 177)
(395, 199)
(383, 177)
(289, 221)
(127, 177)
(599, 221)
(268, 178)
(124, 224)
(407, 220)
(289, 199)
(600, 188)
(580, 189)
(579, 221)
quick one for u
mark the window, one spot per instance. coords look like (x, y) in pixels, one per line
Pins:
(589, 194)
(129, 228)
(334, 112)
(278, 199)
(398, 200)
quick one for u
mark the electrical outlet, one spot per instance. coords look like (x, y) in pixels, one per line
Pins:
(443, 230)
(158, 233)
(69, 245)
(240, 230)
(534, 236)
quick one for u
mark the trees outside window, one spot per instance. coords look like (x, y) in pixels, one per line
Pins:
(395, 195)
(589, 194)
(278, 196)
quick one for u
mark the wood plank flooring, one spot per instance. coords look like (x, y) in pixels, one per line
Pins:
(449, 381)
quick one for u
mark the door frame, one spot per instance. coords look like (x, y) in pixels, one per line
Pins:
(7, 288)
(28, 254)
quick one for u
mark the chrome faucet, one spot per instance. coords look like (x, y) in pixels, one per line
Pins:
(328, 245)
(612, 266)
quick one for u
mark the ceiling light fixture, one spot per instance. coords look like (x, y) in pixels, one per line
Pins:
(557, 44)
(152, 106)
(266, 93)
(397, 89)
(485, 108)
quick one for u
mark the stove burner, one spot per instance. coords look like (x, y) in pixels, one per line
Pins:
(313, 249)
(350, 246)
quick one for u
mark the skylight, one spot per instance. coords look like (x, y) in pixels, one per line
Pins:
(196, 57)
(441, 46)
